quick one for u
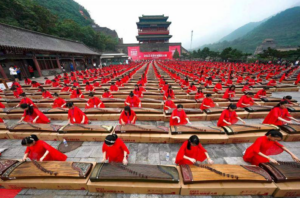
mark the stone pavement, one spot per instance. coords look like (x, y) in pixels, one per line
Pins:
(142, 153)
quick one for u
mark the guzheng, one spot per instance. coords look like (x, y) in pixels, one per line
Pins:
(47, 169)
(258, 108)
(5, 164)
(81, 128)
(286, 171)
(182, 101)
(102, 110)
(236, 99)
(187, 111)
(13, 110)
(242, 128)
(134, 172)
(272, 99)
(291, 128)
(223, 173)
(146, 110)
(112, 100)
(150, 100)
(57, 110)
(46, 100)
(3, 126)
(219, 110)
(131, 128)
(294, 109)
(284, 85)
(196, 129)
(34, 127)
(76, 100)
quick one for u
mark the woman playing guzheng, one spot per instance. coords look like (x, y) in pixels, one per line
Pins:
(33, 115)
(46, 94)
(229, 116)
(58, 102)
(208, 102)
(246, 100)
(94, 102)
(179, 117)
(114, 150)
(127, 116)
(192, 151)
(279, 115)
(262, 93)
(76, 93)
(218, 87)
(230, 92)
(169, 104)
(41, 151)
(289, 100)
(133, 101)
(75, 115)
(264, 146)
(107, 94)
(199, 95)
(26, 100)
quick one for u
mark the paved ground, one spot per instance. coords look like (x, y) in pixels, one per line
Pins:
(141, 153)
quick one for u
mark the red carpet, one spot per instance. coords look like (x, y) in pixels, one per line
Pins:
(6, 193)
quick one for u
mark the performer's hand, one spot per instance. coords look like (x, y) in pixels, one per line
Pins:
(274, 161)
(34, 121)
(193, 160)
(295, 158)
(24, 159)
(41, 159)
(178, 120)
(125, 161)
(210, 161)
(243, 122)
(103, 160)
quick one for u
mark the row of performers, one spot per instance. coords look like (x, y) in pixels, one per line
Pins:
(191, 151)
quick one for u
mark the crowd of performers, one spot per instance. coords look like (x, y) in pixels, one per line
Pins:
(185, 74)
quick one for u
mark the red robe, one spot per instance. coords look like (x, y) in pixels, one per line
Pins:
(107, 95)
(265, 146)
(75, 95)
(246, 100)
(94, 102)
(218, 87)
(48, 82)
(65, 89)
(199, 96)
(272, 83)
(169, 93)
(47, 94)
(113, 88)
(115, 153)
(29, 118)
(37, 151)
(127, 119)
(138, 93)
(58, 102)
(272, 117)
(170, 104)
(245, 88)
(207, 102)
(2, 105)
(196, 152)
(133, 101)
(260, 93)
(56, 84)
(89, 88)
(36, 85)
(27, 101)
(229, 116)
(76, 115)
(228, 94)
(181, 114)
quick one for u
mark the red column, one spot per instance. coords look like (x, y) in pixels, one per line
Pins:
(37, 66)
(3, 73)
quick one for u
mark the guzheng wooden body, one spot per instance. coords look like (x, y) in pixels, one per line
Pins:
(47, 169)
(219, 110)
(182, 101)
(5, 164)
(112, 100)
(196, 129)
(3, 126)
(272, 99)
(57, 110)
(285, 85)
(34, 127)
(13, 110)
(130, 128)
(236, 99)
(294, 109)
(258, 108)
(286, 171)
(102, 110)
(83, 128)
(134, 172)
(241, 128)
(187, 111)
(146, 110)
(291, 128)
(223, 173)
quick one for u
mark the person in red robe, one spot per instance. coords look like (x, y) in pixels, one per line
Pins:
(76, 93)
(230, 92)
(279, 115)
(133, 101)
(75, 115)
(169, 92)
(246, 100)
(283, 77)
(58, 102)
(2, 105)
(66, 88)
(114, 150)
(208, 102)
(199, 95)
(246, 87)
(264, 146)
(169, 104)
(94, 102)
(33, 115)
(40, 151)
(46, 94)
(55, 83)
(17, 91)
(191, 152)
(191, 88)
(272, 82)
(137, 91)
(262, 93)
(119, 83)
(26, 100)
(289, 100)
(89, 87)
(127, 116)
(179, 117)
(107, 94)
(113, 87)
(229, 116)
(218, 87)
(27, 81)
(96, 84)
(48, 81)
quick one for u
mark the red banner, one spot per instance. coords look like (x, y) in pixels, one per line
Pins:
(173, 48)
(135, 54)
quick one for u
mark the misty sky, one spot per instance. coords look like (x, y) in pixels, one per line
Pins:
(209, 19)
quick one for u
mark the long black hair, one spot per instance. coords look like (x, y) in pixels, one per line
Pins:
(232, 106)
(29, 111)
(179, 106)
(69, 104)
(230, 88)
(199, 90)
(281, 103)
(131, 94)
(274, 133)
(29, 140)
(193, 140)
(138, 88)
(127, 109)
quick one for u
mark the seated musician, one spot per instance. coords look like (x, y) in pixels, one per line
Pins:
(113, 87)
(133, 101)
(199, 95)
(27, 81)
(46, 94)
(229, 116)
(279, 115)
(55, 83)
(75, 84)
(66, 88)
(17, 91)
(16, 83)
(89, 87)
(2, 105)
(272, 82)
(66, 81)
(264, 146)
(94, 102)
(137, 91)
(229, 81)
(208, 102)
(218, 87)
(75, 115)
(289, 100)
(246, 87)
(169, 104)
(252, 81)
(141, 82)
(114, 150)
(169, 92)
(96, 84)
(41, 151)
(230, 92)
(191, 88)
(246, 100)
(179, 117)
(142, 88)
(58, 102)
(119, 83)
(33, 115)
(26, 100)
(35, 84)
(262, 93)
(127, 116)
(47, 81)
(192, 151)
(185, 83)
(107, 94)
(76, 93)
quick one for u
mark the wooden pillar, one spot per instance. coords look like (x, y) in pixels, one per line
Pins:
(58, 63)
(37, 66)
(74, 65)
(3, 73)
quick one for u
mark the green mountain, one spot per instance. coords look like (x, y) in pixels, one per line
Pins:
(284, 28)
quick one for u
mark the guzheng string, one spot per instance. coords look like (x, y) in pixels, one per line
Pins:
(80, 125)
(139, 127)
(43, 169)
(129, 170)
(245, 125)
(216, 171)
